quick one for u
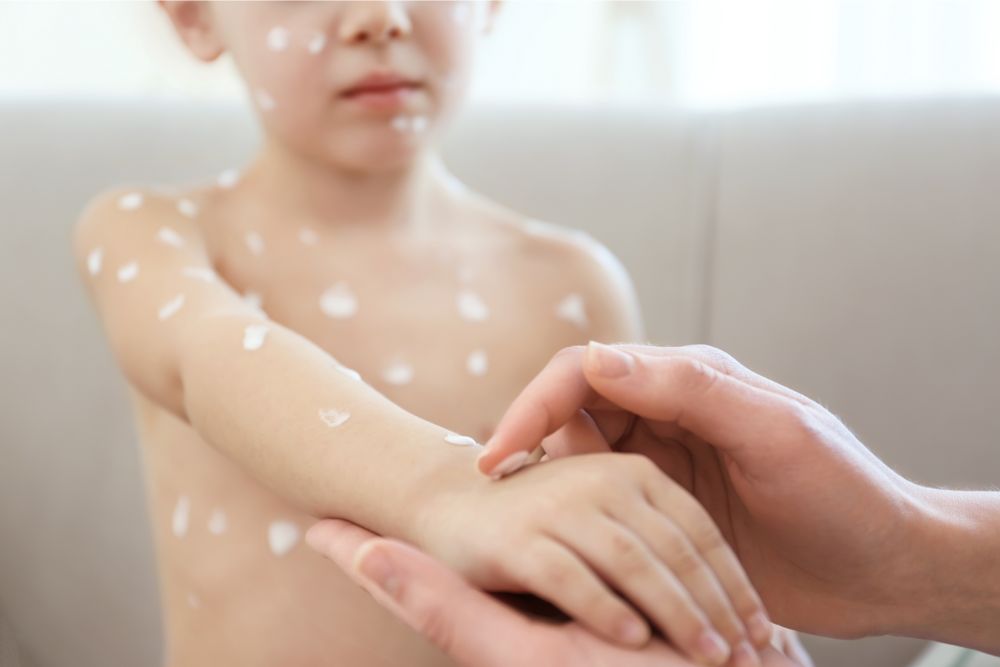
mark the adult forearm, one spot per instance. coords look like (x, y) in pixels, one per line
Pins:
(958, 600)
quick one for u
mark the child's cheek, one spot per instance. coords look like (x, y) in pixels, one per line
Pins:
(285, 71)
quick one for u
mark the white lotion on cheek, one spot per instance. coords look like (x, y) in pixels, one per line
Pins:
(131, 201)
(339, 302)
(277, 39)
(400, 123)
(334, 418)
(573, 310)
(171, 307)
(169, 237)
(94, 261)
(471, 307)
(182, 512)
(282, 536)
(128, 272)
(317, 44)
(418, 124)
(478, 363)
(253, 336)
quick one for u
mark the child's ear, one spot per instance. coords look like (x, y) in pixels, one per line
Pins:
(194, 24)
(491, 14)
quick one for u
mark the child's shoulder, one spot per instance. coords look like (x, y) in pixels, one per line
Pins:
(123, 218)
(583, 265)
(575, 253)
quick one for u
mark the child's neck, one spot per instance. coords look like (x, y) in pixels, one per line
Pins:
(409, 198)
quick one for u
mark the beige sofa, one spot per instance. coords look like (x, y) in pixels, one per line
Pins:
(849, 251)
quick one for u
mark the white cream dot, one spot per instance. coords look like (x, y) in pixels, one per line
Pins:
(171, 307)
(349, 372)
(265, 100)
(277, 39)
(418, 124)
(218, 523)
(471, 307)
(94, 261)
(170, 237)
(400, 123)
(308, 236)
(254, 335)
(131, 201)
(255, 243)
(317, 43)
(128, 272)
(572, 310)
(478, 363)
(339, 302)
(182, 513)
(228, 179)
(334, 418)
(200, 273)
(253, 299)
(398, 374)
(461, 440)
(282, 536)
(187, 208)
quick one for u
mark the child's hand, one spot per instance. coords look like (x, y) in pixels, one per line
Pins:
(576, 530)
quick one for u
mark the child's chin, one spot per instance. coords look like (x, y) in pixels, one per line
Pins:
(374, 154)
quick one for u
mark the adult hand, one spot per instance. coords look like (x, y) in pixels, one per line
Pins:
(830, 536)
(475, 629)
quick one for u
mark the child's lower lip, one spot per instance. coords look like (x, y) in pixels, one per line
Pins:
(383, 99)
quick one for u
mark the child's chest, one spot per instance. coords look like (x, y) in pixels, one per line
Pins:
(448, 334)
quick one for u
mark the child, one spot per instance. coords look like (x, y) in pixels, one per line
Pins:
(347, 238)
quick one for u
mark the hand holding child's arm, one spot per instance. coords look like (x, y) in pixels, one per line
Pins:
(576, 530)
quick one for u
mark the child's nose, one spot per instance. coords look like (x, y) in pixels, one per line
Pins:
(376, 22)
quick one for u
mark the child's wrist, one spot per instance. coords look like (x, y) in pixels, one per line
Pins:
(448, 477)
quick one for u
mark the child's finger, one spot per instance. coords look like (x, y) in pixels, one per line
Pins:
(553, 572)
(672, 501)
(618, 555)
(671, 545)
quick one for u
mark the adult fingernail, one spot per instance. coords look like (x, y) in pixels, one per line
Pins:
(713, 648)
(744, 655)
(509, 465)
(760, 629)
(608, 362)
(377, 570)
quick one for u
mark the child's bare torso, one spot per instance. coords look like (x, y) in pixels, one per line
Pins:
(450, 323)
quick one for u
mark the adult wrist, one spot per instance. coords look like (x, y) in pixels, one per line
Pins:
(953, 592)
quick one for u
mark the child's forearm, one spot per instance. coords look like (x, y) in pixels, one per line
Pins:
(320, 438)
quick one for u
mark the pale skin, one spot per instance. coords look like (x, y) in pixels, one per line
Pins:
(363, 255)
